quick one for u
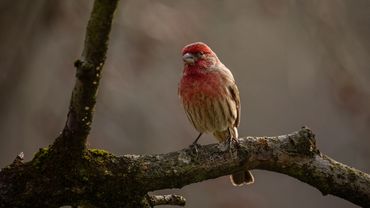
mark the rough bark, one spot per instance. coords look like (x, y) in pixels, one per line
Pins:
(104, 180)
(67, 173)
(88, 73)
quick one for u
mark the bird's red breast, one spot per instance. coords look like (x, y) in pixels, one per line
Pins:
(195, 81)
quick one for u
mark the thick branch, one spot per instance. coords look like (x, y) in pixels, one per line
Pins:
(294, 154)
(89, 68)
(104, 180)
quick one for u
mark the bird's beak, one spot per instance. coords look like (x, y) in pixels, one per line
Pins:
(188, 58)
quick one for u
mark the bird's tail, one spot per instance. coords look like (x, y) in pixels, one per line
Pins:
(241, 178)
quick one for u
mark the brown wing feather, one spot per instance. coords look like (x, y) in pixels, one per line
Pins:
(234, 92)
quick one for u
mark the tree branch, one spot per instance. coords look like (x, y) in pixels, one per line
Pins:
(104, 180)
(294, 154)
(89, 68)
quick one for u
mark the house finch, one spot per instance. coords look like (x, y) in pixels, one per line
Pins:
(211, 98)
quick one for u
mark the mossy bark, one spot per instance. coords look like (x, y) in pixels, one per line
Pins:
(88, 73)
(101, 179)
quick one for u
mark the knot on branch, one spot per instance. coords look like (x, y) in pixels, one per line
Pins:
(171, 199)
(308, 140)
(87, 70)
(303, 142)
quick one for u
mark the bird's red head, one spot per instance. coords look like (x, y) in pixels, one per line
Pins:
(198, 54)
(196, 48)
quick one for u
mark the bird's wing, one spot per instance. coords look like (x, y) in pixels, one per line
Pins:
(234, 92)
(232, 89)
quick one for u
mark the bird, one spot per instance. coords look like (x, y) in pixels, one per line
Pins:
(210, 98)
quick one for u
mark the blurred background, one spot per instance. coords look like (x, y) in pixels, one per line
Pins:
(296, 63)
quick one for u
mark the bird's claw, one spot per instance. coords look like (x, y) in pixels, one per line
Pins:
(234, 143)
(230, 144)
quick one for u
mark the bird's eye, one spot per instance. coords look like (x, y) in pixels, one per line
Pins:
(200, 54)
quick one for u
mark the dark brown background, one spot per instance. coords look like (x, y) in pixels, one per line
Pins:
(296, 63)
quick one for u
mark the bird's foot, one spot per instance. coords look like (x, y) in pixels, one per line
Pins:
(234, 143)
(230, 144)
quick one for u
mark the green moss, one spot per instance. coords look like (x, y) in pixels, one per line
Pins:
(98, 156)
(42, 152)
(99, 152)
(40, 156)
(85, 179)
